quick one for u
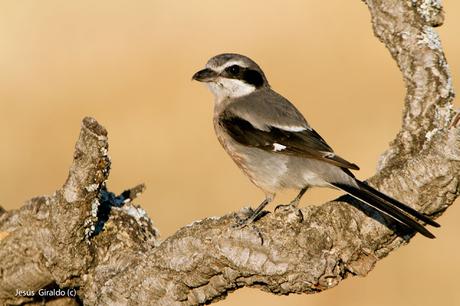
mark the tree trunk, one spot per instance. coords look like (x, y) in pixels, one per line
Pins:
(90, 246)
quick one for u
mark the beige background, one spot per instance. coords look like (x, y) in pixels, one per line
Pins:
(129, 64)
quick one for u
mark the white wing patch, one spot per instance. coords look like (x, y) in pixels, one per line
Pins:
(291, 128)
(329, 155)
(278, 147)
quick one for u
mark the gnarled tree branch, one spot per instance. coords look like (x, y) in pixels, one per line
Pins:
(87, 239)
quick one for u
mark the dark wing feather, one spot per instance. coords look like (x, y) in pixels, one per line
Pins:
(306, 143)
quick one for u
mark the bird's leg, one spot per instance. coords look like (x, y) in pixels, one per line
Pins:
(255, 213)
(296, 201)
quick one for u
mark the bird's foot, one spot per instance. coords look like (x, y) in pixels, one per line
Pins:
(290, 211)
(292, 205)
(243, 217)
(247, 216)
(250, 215)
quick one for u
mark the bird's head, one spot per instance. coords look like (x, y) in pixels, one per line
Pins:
(231, 75)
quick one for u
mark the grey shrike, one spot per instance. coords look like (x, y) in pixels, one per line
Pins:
(270, 140)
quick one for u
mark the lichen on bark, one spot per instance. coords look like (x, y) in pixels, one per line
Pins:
(106, 248)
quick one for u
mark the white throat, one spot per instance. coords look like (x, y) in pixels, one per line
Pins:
(224, 88)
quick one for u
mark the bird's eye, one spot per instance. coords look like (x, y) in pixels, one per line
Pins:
(234, 69)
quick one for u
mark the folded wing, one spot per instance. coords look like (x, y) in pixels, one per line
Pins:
(300, 140)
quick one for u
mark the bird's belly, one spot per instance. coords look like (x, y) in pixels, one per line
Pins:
(272, 172)
(263, 168)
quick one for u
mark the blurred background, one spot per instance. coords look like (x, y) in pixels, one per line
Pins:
(129, 64)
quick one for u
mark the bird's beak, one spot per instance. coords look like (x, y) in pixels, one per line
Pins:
(205, 75)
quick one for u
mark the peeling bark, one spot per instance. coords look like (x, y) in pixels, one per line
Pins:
(106, 249)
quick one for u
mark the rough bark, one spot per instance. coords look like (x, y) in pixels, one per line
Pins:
(84, 238)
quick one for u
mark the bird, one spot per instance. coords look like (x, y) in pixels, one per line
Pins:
(275, 147)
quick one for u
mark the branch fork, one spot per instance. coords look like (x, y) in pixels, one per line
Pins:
(106, 248)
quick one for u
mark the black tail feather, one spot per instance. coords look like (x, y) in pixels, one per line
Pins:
(398, 204)
(388, 206)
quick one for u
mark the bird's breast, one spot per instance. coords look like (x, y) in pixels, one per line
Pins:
(264, 169)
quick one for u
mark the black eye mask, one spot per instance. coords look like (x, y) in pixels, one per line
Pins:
(246, 75)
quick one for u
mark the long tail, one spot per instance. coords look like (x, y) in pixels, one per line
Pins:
(392, 207)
